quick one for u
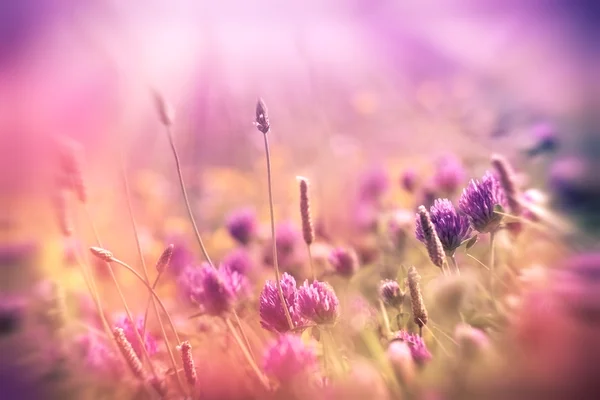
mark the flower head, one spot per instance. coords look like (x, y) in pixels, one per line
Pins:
(451, 226)
(344, 261)
(236, 281)
(272, 313)
(287, 357)
(479, 200)
(450, 174)
(373, 184)
(419, 311)
(318, 302)
(390, 293)
(150, 343)
(262, 117)
(212, 291)
(471, 341)
(239, 260)
(408, 180)
(242, 225)
(434, 246)
(417, 346)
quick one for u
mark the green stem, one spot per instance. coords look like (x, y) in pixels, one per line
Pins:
(185, 196)
(145, 270)
(261, 377)
(273, 236)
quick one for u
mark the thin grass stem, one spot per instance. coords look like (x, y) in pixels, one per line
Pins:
(261, 377)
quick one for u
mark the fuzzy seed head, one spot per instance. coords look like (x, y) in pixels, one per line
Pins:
(62, 213)
(102, 254)
(262, 117)
(164, 110)
(416, 298)
(435, 249)
(127, 350)
(188, 363)
(451, 226)
(308, 231)
(70, 171)
(165, 258)
(506, 175)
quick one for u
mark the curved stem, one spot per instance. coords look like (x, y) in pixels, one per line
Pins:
(145, 270)
(150, 297)
(185, 196)
(122, 297)
(263, 380)
(288, 317)
(158, 300)
(246, 341)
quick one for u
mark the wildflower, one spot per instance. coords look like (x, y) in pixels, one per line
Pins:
(242, 225)
(288, 357)
(307, 227)
(544, 138)
(408, 180)
(417, 346)
(479, 200)
(181, 257)
(239, 260)
(262, 117)
(188, 363)
(426, 230)
(212, 291)
(98, 356)
(450, 174)
(287, 239)
(165, 259)
(416, 298)
(452, 228)
(390, 293)
(400, 223)
(401, 359)
(360, 315)
(344, 261)
(130, 356)
(150, 342)
(577, 286)
(318, 303)
(373, 184)
(272, 313)
(471, 341)
(237, 282)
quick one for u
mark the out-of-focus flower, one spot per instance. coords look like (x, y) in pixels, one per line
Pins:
(289, 357)
(242, 225)
(287, 239)
(408, 180)
(427, 232)
(272, 313)
(164, 260)
(373, 184)
(390, 293)
(400, 224)
(12, 313)
(344, 261)
(318, 303)
(239, 260)
(532, 199)
(507, 178)
(363, 381)
(149, 341)
(212, 291)
(359, 314)
(534, 276)
(451, 226)
(450, 174)
(182, 256)
(365, 217)
(98, 356)
(577, 285)
(544, 138)
(471, 341)
(417, 346)
(479, 200)
(236, 281)
(400, 357)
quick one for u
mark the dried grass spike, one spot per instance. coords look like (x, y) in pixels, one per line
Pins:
(69, 159)
(506, 175)
(165, 112)
(416, 298)
(102, 254)
(165, 258)
(62, 213)
(132, 359)
(435, 249)
(308, 231)
(188, 363)
(262, 117)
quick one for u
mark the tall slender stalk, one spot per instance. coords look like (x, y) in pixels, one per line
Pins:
(261, 377)
(150, 297)
(145, 270)
(273, 236)
(312, 264)
(121, 296)
(454, 263)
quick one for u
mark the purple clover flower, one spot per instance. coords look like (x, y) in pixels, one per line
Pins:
(239, 260)
(451, 226)
(373, 184)
(479, 200)
(149, 341)
(417, 346)
(409, 180)
(318, 303)
(344, 261)
(390, 293)
(242, 225)
(99, 356)
(272, 313)
(288, 357)
(237, 282)
(450, 174)
(212, 290)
